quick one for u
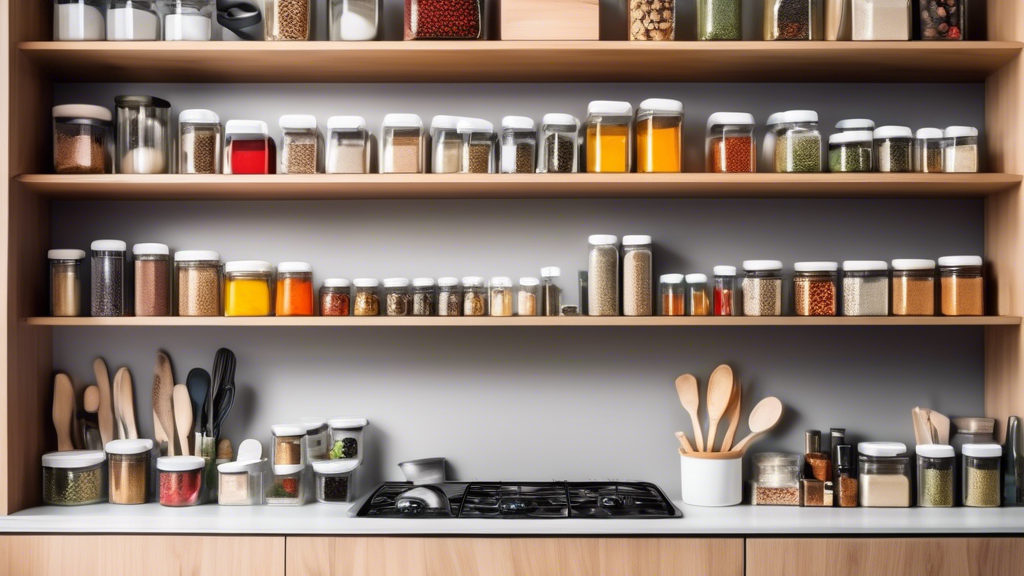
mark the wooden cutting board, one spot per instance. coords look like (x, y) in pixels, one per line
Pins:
(550, 20)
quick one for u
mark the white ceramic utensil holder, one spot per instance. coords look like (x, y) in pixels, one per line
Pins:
(712, 482)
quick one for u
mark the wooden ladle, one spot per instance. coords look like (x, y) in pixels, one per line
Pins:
(689, 397)
(762, 418)
(720, 389)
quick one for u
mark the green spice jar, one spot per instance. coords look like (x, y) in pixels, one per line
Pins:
(982, 477)
(718, 20)
(850, 151)
(74, 477)
(798, 144)
(935, 471)
(893, 148)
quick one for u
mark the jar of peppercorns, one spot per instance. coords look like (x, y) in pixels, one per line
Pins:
(559, 144)
(444, 19)
(729, 145)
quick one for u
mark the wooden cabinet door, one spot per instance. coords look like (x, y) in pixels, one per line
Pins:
(884, 556)
(123, 555)
(526, 556)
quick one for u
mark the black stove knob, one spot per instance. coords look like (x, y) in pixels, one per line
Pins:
(615, 501)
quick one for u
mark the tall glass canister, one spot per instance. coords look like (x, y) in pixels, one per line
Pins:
(143, 135)
(199, 142)
(603, 275)
(108, 283)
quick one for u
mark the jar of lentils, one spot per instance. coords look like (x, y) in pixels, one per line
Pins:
(928, 150)
(729, 143)
(961, 286)
(603, 276)
(559, 144)
(335, 297)
(851, 151)
(424, 297)
(199, 142)
(197, 283)
(814, 288)
(65, 282)
(935, 470)
(913, 287)
(501, 296)
(108, 277)
(449, 296)
(982, 478)
(697, 291)
(637, 272)
(367, 301)
(865, 288)
(396, 297)
(893, 147)
(762, 288)
(518, 145)
(672, 291)
(798, 143)
(474, 296)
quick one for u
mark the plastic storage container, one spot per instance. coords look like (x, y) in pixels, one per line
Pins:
(289, 444)
(659, 136)
(447, 20)
(248, 148)
(474, 296)
(478, 146)
(793, 20)
(82, 139)
(402, 148)
(814, 288)
(74, 477)
(143, 135)
(449, 296)
(287, 486)
(935, 475)
(652, 19)
(962, 286)
(982, 475)
(446, 145)
(855, 125)
(603, 276)
(248, 288)
(181, 480)
(65, 282)
(894, 149)
(108, 282)
(301, 145)
(637, 275)
(240, 483)
(133, 20)
(719, 20)
(347, 438)
(80, 20)
(528, 297)
(424, 297)
(960, 149)
(725, 291)
(396, 297)
(884, 474)
(881, 20)
(559, 144)
(317, 437)
(187, 20)
(550, 291)
(772, 127)
(518, 145)
(294, 294)
(336, 297)
(729, 145)
(199, 141)
(942, 19)
(913, 287)
(129, 469)
(609, 136)
(798, 143)
(367, 300)
(348, 145)
(762, 288)
(928, 150)
(851, 151)
(697, 295)
(152, 279)
(335, 480)
(500, 303)
(865, 288)
(671, 295)
(776, 479)
(197, 288)
(354, 20)
(287, 19)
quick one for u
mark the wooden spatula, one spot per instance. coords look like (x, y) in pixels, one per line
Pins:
(720, 389)
(126, 401)
(104, 413)
(689, 397)
(163, 411)
(922, 431)
(684, 442)
(735, 412)
(763, 418)
(64, 411)
(182, 416)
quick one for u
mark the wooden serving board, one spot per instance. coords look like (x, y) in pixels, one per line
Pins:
(550, 20)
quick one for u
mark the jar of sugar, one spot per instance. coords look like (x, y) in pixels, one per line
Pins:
(187, 20)
(79, 20)
(132, 20)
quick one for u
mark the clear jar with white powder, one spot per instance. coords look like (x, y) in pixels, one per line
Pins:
(865, 288)
(187, 20)
(354, 20)
(79, 20)
(960, 149)
(133, 20)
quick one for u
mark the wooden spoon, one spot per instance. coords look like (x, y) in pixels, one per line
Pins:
(64, 411)
(91, 399)
(720, 388)
(182, 416)
(689, 397)
(163, 411)
(119, 432)
(126, 402)
(684, 442)
(105, 414)
(762, 418)
(735, 412)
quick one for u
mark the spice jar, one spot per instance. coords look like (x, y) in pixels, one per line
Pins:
(659, 136)
(814, 288)
(637, 272)
(855, 125)
(402, 144)
(851, 151)
(772, 127)
(865, 288)
(942, 19)
(132, 20)
(248, 288)
(128, 466)
(81, 138)
(697, 295)
(776, 479)
(287, 486)
(478, 146)
(798, 144)
(354, 20)
(527, 297)
(969, 431)
(143, 135)
(335, 297)
(108, 277)
(893, 149)
(197, 285)
(672, 291)
(181, 480)
(793, 20)
(881, 20)
(65, 282)
(152, 279)
(725, 291)
(449, 296)
(301, 145)
(348, 145)
(982, 476)
(294, 294)
(609, 136)
(424, 298)
(960, 149)
(884, 474)
(962, 286)
(559, 144)
(729, 144)
(335, 480)
(79, 20)
(719, 20)
(446, 145)
(347, 438)
(187, 20)
(287, 19)
(762, 288)
(518, 145)
(652, 19)
(500, 296)
(396, 297)
(444, 19)
(289, 444)
(935, 472)
(247, 147)
(928, 150)
(474, 296)
(317, 437)
(74, 477)
(913, 287)
(603, 275)
(367, 302)
(240, 483)
(199, 135)
(550, 290)
(846, 485)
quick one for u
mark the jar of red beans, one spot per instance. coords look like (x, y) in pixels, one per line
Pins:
(335, 297)
(248, 148)
(725, 291)
(444, 19)
(181, 478)
(729, 145)
(814, 288)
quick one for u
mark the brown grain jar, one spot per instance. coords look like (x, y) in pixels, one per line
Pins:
(82, 139)
(961, 286)
(65, 282)
(814, 288)
(913, 287)
(129, 470)
(152, 279)
(197, 283)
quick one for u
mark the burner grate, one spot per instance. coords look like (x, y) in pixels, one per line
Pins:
(500, 500)
(618, 500)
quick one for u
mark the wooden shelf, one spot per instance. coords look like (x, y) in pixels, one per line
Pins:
(508, 61)
(191, 187)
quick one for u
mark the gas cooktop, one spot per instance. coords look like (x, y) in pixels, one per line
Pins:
(516, 500)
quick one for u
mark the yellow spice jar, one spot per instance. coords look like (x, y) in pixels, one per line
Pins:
(248, 288)
(659, 136)
(609, 136)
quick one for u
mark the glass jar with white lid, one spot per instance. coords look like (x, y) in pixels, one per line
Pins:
(74, 477)
(446, 145)
(603, 275)
(347, 438)
(798, 144)
(108, 277)
(424, 297)
(152, 279)
(928, 144)
(199, 142)
(248, 288)
(961, 286)
(518, 145)
(936, 468)
(478, 146)
(725, 291)
(248, 148)
(301, 145)
(187, 20)
(637, 275)
(367, 300)
(197, 283)
(697, 295)
(551, 292)
(893, 149)
(288, 20)
(348, 145)
(396, 297)
(609, 136)
(659, 136)
(913, 287)
(528, 297)
(143, 135)
(335, 297)
(83, 138)
(128, 466)
(814, 288)
(474, 296)
(335, 480)
(449, 296)
(855, 125)
(133, 20)
(79, 20)
(559, 144)
(865, 288)
(729, 143)
(672, 295)
(354, 20)
(65, 281)
(793, 20)
(762, 288)
(289, 448)
(402, 146)
(851, 151)
(881, 20)
(960, 149)
(180, 480)
(500, 303)
(982, 476)
(884, 475)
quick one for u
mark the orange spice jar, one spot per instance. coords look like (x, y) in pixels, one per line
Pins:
(294, 289)
(729, 145)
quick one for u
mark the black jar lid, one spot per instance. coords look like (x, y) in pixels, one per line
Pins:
(140, 101)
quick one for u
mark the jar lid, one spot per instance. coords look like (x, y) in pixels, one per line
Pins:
(473, 280)
(671, 278)
(597, 239)
(65, 254)
(609, 108)
(724, 270)
(245, 127)
(444, 122)
(882, 449)
(982, 450)
(448, 281)
(335, 466)
(528, 281)
(696, 278)
(974, 425)
(346, 123)
(312, 423)
(179, 463)
(816, 266)
(198, 116)
(288, 469)
(559, 119)
(960, 131)
(129, 446)
(73, 458)
(240, 466)
(518, 123)
(100, 113)
(396, 282)
(883, 132)
(760, 265)
(474, 125)
(664, 105)
(140, 101)
(935, 450)
(855, 124)
(928, 133)
(402, 121)
(336, 283)
(288, 430)
(799, 116)
(292, 267)
(366, 283)
(501, 282)
(636, 240)
(249, 449)
(196, 256)
(864, 265)
(913, 264)
(108, 246)
(852, 136)
(776, 459)
(297, 122)
(151, 249)
(740, 118)
(960, 261)
(550, 272)
(248, 266)
(347, 423)
(422, 282)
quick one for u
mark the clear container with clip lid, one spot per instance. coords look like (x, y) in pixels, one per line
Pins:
(241, 482)
(199, 142)
(659, 136)
(884, 474)
(928, 144)
(445, 145)
(248, 148)
(798, 144)
(335, 480)
(403, 145)
(851, 151)
(478, 146)
(289, 444)
(301, 145)
(143, 135)
(82, 139)
(347, 438)
(518, 145)
(609, 136)
(559, 144)
(729, 144)
(348, 145)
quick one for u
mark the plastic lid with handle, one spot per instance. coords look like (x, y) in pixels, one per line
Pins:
(340, 466)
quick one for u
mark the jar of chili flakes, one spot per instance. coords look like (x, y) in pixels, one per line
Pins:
(814, 288)
(294, 289)
(335, 297)
(180, 480)
(729, 145)
(444, 19)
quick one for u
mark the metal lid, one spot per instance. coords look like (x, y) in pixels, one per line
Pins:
(140, 101)
(974, 425)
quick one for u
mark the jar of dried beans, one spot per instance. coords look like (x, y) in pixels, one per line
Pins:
(403, 146)
(851, 151)
(74, 477)
(446, 145)
(729, 145)
(248, 148)
(603, 275)
(152, 279)
(335, 297)
(814, 288)
(294, 294)
(982, 477)
(637, 275)
(865, 288)
(75, 20)
(449, 296)
(913, 287)
(143, 135)
(197, 283)
(367, 301)
(287, 19)
(199, 135)
(354, 20)
(335, 480)
(652, 19)
(962, 286)
(550, 290)
(518, 145)
(725, 291)
(609, 136)
(248, 288)
(478, 146)
(935, 470)
(528, 296)
(424, 297)
(82, 139)
(798, 144)
(500, 303)
(396, 297)
(474, 296)
(793, 20)
(348, 145)
(942, 19)
(444, 19)
(960, 149)
(881, 19)
(672, 295)
(893, 149)
(659, 136)
(928, 150)
(128, 470)
(108, 282)
(559, 144)
(181, 480)
(762, 288)
(697, 294)
(301, 145)
(65, 282)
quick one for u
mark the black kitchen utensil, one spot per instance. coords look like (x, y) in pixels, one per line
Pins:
(237, 15)
(223, 385)
(198, 384)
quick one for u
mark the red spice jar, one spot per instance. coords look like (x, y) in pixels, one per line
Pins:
(294, 289)
(181, 480)
(335, 297)
(725, 291)
(248, 148)
(444, 19)
(729, 146)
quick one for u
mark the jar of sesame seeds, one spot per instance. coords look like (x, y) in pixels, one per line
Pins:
(865, 288)
(814, 288)
(762, 288)
(197, 286)
(913, 287)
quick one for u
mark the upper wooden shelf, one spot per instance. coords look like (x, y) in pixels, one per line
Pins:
(219, 187)
(531, 61)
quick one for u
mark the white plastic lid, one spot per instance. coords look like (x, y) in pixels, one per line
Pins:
(775, 119)
(245, 127)
(671, 278)
(852, 136)
(179, 463)
(65, 254)
(448, 281)
(864, 265)
(402, 121)
(928, 133)
(471, 125)
(883, 449)
(422, 282)
(73, 458)
(108, 245)
(472, 280)
(335, 466)
(347, 423)
(366, 283)
(559, 119)
(337, 283)
(528, 281)
(912, 264)
(240, 466)
(196, 256)
(249, 449)
(597, 239)
(198, 116)
(982, 450)
(297, 122)
(346, 123)
(444, 122)
(286, 430)
(738, 118)
(312, 423)
(883, 132)
(800, 116)
(291, 267)
(757, 265)
(288, 469)
(550, 272)
(247, 266)
(696, 278)
(501, 281)
(396, 282)
(662, 105)
(82, 111)
(960, 131)
(635, 240)
(855, 124)
(724, 270)
(960, 261)
(935, 450)
(129, 446)
(150, 249)
(609, 108)
(518, 123)
(816, 266)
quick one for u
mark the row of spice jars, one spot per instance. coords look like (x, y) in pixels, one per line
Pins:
(473, 296)
(898, 149)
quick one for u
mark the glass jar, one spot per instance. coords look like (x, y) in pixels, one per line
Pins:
(367, 301)
(949, 23)
(199, 135)
(652, 19)
(793, 20)
(814, 288)
(248, 288)
(893, 146)
(81, 139)
(776, 479)
(335, 480)
(982, 475)
(451, 20)
(152, 279)
(449, 296)
(672, 291)
(478, 146)
(335, 297)
(935, 471)
(287, 485)
(74, 477)
(143, 135)
(65, 282)
(550, 290)
(846, 486)
(798, 144)
(133, 20)
(527, 297)
(247, 147)
(865, 288)
(697, 291)
(772, 126)
(719, 20)
(960, 149)
(518, 145)
(962, 286)
(128, 470)
(637, 275)
(354, 20)
(603, 276)
(424, 297)
(347, 438)
(348, 145)
(913, 287)
(659, 136)
(609, 136)
(559, 144)
(725, 291)
(972, 431)
(474, 296)
(928, 150)
(856, 125)
(294, 294)
(187, 20)
(287, 19)
(729, 144)
(762, 288)
(881, 19)
(79, 20)
(402, 144)
(884, 474)
(317, 437)
(446, 145)
(301, 145)
(240, 483)
(396, 297)
(500, 303)
(108, 277)
(181, 480)
(197, 283)
(289, 444)
(851, 151)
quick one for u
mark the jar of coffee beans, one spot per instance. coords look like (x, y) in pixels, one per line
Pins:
(301, 145)
(559, 144)
(199, 142)
(82, 139)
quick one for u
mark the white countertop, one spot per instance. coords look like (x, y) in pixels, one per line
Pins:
(323, 519)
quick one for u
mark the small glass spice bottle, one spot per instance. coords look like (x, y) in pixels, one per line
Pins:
(762, 288)
(814, 288)
(960, 149)
(982, 475)
(637, 275)
(935, 475)
(396, 297)
(248, 288)
(550, 290)
(961, 285)
(559, 144)
(65, 282)
(424, 297)
(449, 296)
(301, 145)
(128, 470)
(928, 150)
(294, 294)
(725, 291)
(199, 142)
(672, 291)
(528, 296)
(197, 283)
(367, 301)
(697, 290)
(500, 296)
(729, 144)
(474, 296)
(846, 485)
(108, 281)
(335, 297)
(181, 480)
(609, 129)
(152, 279)
(518, 145)
(894, 149)
(913, 287)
